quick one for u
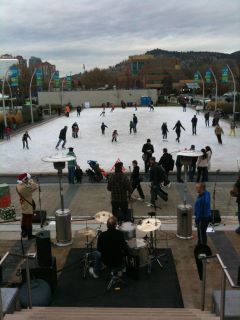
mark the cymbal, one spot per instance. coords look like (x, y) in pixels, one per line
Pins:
(87, 232)
(103, 216)
(149, 225)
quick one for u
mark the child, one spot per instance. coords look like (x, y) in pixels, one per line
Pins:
(114, 135)
(7, 132)
(103, 127)
(78, 174)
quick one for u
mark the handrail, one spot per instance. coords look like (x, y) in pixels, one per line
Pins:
(26, 258)
(225, 275)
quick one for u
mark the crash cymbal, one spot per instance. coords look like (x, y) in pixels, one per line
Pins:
(149, 225)
(103, 216)
(87, 232)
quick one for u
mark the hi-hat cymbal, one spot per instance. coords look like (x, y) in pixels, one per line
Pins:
(102, 216)
(149, 225)
(87, 232)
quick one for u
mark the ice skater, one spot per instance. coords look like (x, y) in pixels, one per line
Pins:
(135, 121)
(62, 138)
(151, 107)
(75, 130)
(112, 107)
(131, 127)
(103, 127)
(114, 135)
(218, 132)
(103, 110)
(135, 106)
(164, 131)
(184, 106)
(25, 138)
(194, 125)
(79, 109)
(177, 129)
(233, 126)
(207, 116)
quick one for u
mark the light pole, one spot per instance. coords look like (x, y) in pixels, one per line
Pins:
(203, 86)
(30, 94)
(216, 90)
(49, 87)
(62, 84)
(234, 92)
(3, 97)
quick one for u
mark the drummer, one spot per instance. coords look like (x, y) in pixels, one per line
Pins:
(111, 249)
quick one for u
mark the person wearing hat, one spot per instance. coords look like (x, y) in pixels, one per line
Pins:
(148, 151)
(71, 166)
(62, 137)
(119, 185)
(25, 189)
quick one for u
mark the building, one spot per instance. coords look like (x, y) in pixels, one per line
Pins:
(33, 61)
(5, 64)
(47, 69)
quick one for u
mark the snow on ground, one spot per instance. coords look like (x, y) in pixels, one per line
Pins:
(92, 145)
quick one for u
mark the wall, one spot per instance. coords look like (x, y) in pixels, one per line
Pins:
(96, 98)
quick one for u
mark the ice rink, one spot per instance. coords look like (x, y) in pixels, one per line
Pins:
(92, 145)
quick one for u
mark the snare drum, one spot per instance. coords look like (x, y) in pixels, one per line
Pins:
(138, 248)
(128, 229)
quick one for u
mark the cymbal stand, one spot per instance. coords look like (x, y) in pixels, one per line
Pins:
(153, 254)
(87, 256)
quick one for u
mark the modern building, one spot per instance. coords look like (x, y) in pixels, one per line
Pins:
(5, 64)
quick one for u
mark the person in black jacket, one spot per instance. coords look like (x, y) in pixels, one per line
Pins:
(62, 137)
(164, 130)
(135, 121)
(148, 151)
(177, 129)
(206, 116)
(25, 138)
(166, 161)
(179, 169)
(103, 127)
(157, 176)
(194, 125)
(111, 249)
(136, 180)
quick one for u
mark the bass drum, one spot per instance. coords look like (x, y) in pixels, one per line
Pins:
(138, 248)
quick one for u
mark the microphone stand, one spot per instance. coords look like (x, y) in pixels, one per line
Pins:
(40, 202)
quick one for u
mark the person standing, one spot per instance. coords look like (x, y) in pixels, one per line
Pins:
(202, 210)
(192, 165)
(157, 177)
(184, 106)
(164, 130)
(148, 151)
(78, 174)
(166, 161)
(103, 127)
(177, 129)
(194, 125)
(207, 116)
(135, 122)
(202, 167)
(209, 155)
(235, 192)
(8, 132)
(25, 189)
(75, 130)
(79, 109)
(62, 138)
(67, 111)
(233, 126)
(179, 169)
(25, 138)
(119, 186)
(131, 127)
(71, 166)
(218, 132)
(114, 135)
(136, 180)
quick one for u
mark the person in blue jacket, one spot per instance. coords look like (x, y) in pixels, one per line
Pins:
(202, 210)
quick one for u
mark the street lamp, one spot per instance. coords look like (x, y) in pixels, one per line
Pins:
(63, 216)
(49, 87)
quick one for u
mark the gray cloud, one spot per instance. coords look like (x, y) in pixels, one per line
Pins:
(102, 33)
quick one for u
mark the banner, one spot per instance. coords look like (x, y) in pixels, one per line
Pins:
(14, 76)
(225, 72)
(69, 82)
(39, 78)
(197, 76)
(56, 80)
(208, 76)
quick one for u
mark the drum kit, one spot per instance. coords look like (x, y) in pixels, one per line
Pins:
(144, 247)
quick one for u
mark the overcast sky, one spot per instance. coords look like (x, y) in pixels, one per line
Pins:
(70, 33)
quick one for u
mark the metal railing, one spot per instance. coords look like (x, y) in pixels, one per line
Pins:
(26, 258)
(225, 276)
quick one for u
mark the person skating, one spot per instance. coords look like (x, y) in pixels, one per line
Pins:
(207, 116)
(114, 135)
(112, 107)
(103, 110)
(202, 211)
(148, 151)
(79, 109)
(75, 130)
(151, 107)
(194, 125)
(218, 132)
(164, 130)
(25, 138)
(103, 127)
(25, 189)
(71, 166)
(131, 127)
(177, 129)
(233, 126)
(135, 106)
(135, 122)
(62, 138)
(184, 106)
(67, 111)
(136, 180)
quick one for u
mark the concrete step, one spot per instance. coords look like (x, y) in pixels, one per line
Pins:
(60, 313)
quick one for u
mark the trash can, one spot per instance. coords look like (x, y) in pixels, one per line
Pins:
(63, 227)
(184, 221)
